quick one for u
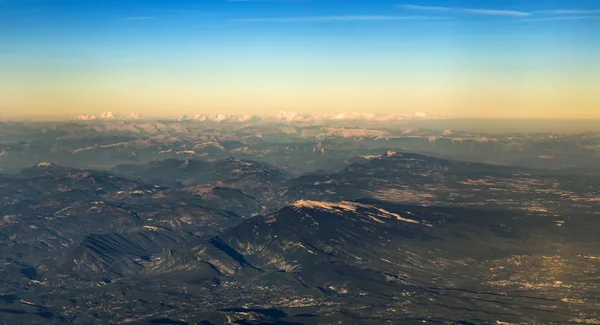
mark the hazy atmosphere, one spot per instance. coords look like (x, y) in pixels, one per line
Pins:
(299, 162)
(448, 58)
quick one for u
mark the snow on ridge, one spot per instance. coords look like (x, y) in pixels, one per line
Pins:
(370, 157)
(44, 164)
(328, 206)
(348, 206)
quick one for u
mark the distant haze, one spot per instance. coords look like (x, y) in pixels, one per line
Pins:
(512, 125)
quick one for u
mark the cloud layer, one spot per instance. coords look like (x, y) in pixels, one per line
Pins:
(289, 117)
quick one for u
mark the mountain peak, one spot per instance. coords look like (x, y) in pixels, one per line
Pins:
(44, 168)
(44, 164)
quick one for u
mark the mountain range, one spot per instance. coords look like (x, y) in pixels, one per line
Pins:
(351, 222)
(296, 148)
(393, 237)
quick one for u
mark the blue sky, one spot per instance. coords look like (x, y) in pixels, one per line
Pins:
(451, 57)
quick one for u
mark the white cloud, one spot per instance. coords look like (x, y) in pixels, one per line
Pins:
(134, 116)
(560, 18)
(282, 116)
(316, 19)
(570, 12)
(219, 117)
(489, 12)
(85, 117)
(245, 118)
(107, 115)
(289, 117)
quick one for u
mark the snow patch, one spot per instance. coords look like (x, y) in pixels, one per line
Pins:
(44, 164)
(369, 157)
(327, 206)
(347, 206)
(592, 257)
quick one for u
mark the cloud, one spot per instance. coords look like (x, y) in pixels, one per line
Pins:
(134, 116)
(107, 115)
(570, 12)
(315, 19)
(420, 115)
(291, 117)
(85, 117)
(495, 12)
(139, 18)
(560, 18)
(489, 12)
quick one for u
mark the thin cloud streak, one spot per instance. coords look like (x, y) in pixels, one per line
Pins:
(139, 18)
(488, 12)
(569, 12)
(315, 19)
(560, 18)
(495, 12)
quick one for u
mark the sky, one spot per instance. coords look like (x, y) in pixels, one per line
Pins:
(450, 58)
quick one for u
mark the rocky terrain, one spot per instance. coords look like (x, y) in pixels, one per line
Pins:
(186, 223)
(296, 148)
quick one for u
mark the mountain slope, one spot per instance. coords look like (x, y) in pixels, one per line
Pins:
(66, 222)
(386, 262)
(417, 179)
(256, 179)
